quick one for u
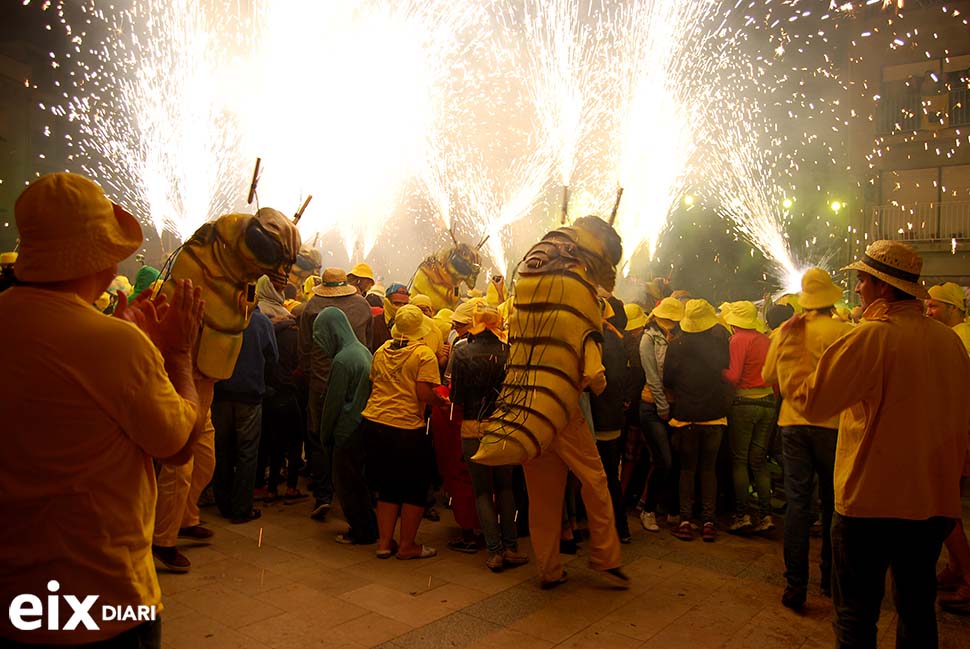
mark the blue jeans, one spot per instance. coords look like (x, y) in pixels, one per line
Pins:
(863, 550)
(749, 427)
(807, 451)
(657, 436)
(493, 485)
(237, 427)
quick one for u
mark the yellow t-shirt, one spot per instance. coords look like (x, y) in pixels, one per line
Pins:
(820, 332)
(85, 403)
(963, 330)
(900, 381)
(394, 376)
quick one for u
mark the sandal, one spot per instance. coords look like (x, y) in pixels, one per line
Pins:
(253, 515)
(387, 554)
(425, 553)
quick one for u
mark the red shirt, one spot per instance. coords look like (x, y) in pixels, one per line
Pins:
(748, 351)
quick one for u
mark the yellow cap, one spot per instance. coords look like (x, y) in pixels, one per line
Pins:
(949, 293)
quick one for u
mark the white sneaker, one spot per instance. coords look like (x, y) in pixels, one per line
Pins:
(741, 524)
(648, 520)
(766, 524)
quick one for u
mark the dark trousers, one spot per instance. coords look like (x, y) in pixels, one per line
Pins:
(281, 440)
(494, 500)
(320, 456)
(656, 434)
(351, 489)
(863, 550)
(698, 453)
(237, 426)
(750, 423)
(807, 451)
(610, 452)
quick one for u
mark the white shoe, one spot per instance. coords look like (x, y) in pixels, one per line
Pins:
(648, 520)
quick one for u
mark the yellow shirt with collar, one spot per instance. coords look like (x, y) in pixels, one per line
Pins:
(900, 381)
(820, 332)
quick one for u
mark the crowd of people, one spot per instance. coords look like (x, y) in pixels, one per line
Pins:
(704, 420)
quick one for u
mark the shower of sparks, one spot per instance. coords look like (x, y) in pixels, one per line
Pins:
(352, 123)
(745, 179)
(563, 41)
(147, 89)
(662, 57)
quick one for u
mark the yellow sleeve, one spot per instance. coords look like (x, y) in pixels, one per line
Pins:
(769, 372)
(845, 375)
(155, 416)
(427, 366)
(594, 374)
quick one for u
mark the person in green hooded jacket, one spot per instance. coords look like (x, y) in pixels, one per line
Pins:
(347, 391)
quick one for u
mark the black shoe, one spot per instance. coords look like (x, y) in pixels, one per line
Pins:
(171, 559)
(617, 578)
(794, 598)
(196, 533)
(461, 545)
(568, 546)
(432, 514)
(320, 510)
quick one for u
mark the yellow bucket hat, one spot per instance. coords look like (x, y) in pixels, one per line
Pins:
(362, 271)
(669, 308)
(69, 229)
(743, 314)
(895, 263)
(463, 314)
(410, 323)
(442, 320)
(635, 317)
(818, 290)
(949, 293)
(424, 303)
(485, 316)
(698, 316)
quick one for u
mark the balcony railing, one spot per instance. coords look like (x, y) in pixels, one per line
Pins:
(921, 221)
(960, 107)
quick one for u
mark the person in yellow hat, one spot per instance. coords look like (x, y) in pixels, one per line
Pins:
(361, 277)
(808, 445)
(77, 484)
(693, 372)
(751, 420)
(899, 379)
(948, 304)
(403, 378)
(659, 329)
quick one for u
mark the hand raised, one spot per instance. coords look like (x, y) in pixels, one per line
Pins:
(179, 326)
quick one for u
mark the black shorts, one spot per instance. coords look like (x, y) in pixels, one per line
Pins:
(397, 463)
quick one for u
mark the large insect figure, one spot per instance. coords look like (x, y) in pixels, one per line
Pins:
(440, 275)
(555, 311)
(226, 257)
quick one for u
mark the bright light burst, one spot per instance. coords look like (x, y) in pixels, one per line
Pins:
(346, 105)
(148, 97)
(662, 60)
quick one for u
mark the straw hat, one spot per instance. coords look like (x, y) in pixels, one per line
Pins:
(410, 323)
(895, 263)
(698, 316)
(362, 271)
(635, 317)
(818, 290)
(743, 314)
(69, 229)
(669, 308)
(949, 293)
(333, 283)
